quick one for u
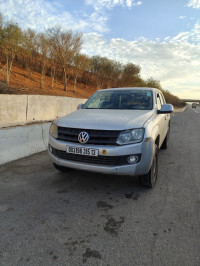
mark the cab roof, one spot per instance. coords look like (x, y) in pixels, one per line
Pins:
(131, 88)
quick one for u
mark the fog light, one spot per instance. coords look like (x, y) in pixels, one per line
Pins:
(132, 159)
(50, 148)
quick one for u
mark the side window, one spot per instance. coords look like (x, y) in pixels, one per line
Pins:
(163, 98)
(159, 103)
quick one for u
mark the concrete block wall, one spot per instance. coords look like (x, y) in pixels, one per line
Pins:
(22, 141)
(24, 109)
(18, 136)
(12, 110)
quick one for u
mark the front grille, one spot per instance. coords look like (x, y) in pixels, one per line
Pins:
(104, 160)
(97, 137)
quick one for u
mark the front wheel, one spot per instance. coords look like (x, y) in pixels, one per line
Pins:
(60, 168)
(165, 142)
(150, 178)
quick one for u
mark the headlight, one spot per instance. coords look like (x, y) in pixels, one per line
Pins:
(53, 130)
(131, 136)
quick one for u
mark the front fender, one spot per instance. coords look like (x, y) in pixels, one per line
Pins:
(148, 151)
(155, 134)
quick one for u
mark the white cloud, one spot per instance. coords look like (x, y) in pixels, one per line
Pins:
(182, 17)
(194, 3)
(41, 14)
(192, 36)
(176, 64)
(137, 3)
(35, 14)
(182, 36)
(102, 4)
(100, 8)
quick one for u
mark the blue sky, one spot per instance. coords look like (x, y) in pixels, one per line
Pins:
(163, 37)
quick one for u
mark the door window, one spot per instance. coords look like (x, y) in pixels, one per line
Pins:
(159, 102)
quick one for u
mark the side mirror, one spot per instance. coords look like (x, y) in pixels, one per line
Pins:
(166, 109)
(80, 106)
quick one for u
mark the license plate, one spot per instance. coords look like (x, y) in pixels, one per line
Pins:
(82, 151)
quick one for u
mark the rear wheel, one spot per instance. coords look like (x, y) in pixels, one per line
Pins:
(150, 178)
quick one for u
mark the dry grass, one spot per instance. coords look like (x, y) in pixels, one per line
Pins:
(21, 83)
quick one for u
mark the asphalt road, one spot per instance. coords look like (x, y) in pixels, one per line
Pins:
(80, 218)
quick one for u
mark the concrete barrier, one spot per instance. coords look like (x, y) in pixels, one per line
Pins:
(12, 110)
(22, 141)
(25, 109)
(17, 141)
(179, 110)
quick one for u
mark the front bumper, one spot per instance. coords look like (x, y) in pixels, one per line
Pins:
(144, 148)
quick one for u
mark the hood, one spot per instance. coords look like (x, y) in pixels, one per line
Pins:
(105, 119)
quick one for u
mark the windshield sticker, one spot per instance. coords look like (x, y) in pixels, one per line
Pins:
(148, 94)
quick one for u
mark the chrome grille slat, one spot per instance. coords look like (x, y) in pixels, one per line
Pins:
(98, 137)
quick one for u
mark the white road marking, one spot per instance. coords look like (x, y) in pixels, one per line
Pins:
(196, 111)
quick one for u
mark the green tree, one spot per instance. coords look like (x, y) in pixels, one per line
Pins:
(52, 59)
(65, 46)
(1, 26)
(106, 75)
(11, 38)
(115, 75)
(81, 63)
(1, 20)
(103, 70)
(152, 83)
(96, 68)
(43, 46)
(130, 74)
(30, 49)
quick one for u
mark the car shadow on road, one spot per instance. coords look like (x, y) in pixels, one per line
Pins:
(83, 181)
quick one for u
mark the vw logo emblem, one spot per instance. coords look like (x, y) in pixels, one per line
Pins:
(83, 137)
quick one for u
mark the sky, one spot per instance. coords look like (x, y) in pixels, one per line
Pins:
(162, 37)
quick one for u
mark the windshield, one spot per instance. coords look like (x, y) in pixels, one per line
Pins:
(121, 99)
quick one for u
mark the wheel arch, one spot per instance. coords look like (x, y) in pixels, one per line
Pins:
(157, 140)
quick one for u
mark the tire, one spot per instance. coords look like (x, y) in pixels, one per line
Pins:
(60, 168)
(165, 142)
(164, 146)
(149, 180)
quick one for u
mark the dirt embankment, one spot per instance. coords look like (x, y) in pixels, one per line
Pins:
(23, 83)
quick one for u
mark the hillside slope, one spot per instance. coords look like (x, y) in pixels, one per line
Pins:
(21, 83)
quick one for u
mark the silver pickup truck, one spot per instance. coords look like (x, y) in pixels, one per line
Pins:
(117, 131)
